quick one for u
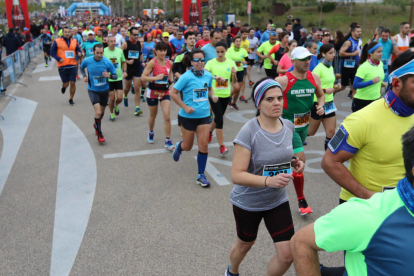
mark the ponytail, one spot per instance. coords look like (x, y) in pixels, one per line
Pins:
(364, 54)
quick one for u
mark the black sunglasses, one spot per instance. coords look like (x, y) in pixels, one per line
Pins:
(199, 59)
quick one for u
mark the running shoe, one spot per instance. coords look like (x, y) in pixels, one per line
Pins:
(228, 273)
(125, 101)
(116, 110)
(78, 78)
(46, 65)
(350, 94)
(101, 139)
(71, 102)
(234, 107)
(242, 99)
(201, 179)
(138, 111)
(304, 209)
(96, 131)
(251, 83)
(305, 143)
(210, 137)
(169, 145)
(142, 98)
(132, 89)
(150, 138)
(176, 154)
(63, 90)
(112, 117)
(223, 150)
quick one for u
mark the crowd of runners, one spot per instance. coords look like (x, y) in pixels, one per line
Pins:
(207, 68)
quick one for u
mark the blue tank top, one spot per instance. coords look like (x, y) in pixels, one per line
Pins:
(351, 49)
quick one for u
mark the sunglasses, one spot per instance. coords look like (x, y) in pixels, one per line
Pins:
(199, 59)
(305, 59)
(273, 33)
(135, 34)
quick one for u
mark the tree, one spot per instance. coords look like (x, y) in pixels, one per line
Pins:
(212, 11)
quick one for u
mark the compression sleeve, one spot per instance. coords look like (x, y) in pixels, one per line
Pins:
(358, 83)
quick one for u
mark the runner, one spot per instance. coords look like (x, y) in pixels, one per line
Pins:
(181, 62)
(245, 44)
(210, 48)
(170, 48)
(224, 72)
(261, 173)
(47, 42)
(116, 56)
(401, 40)
(253, 45)
(278, 50)
(194, 115)
(99, 70)
(238, 55)
(265, 48)
(299, 87)
(87, 46)
(135, 62)
(63, 51)
(149, 45)
(179, 41)
(206, 39)
(326, 74)
(119, 39)
(387, 49)
(285, 62)
(159, 75)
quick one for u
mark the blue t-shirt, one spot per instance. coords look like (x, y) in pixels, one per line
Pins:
(178, 44)
(88, 47)
(319, 45)
(150, 48)
(96, 82)
(386, 50)
(195, 93)
(46, 38)
(210, 52)
(78, 37)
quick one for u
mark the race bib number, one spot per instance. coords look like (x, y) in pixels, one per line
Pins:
(329, 108)
(349, 63)
(239, 64)
(273, 170)
(144, 57)
(387, 188)
(302, 120)
(99, 81)
(164, 80)
(69, 54)
(133, 54)
(157, 94)
(222, 84)
(90, 51)
(200, 95)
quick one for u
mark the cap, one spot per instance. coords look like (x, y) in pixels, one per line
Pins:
(91, 32)
(137, 25)
(25, 29)
(297, 19)
(300, 53)
(165, 34)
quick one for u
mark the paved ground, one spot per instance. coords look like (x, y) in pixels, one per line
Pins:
(71, 206)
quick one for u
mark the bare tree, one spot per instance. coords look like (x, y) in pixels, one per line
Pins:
(152, 8)
(164, 6)
(212, 11)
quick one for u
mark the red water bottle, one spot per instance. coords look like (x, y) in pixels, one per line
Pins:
(194, 16)
(17, 15)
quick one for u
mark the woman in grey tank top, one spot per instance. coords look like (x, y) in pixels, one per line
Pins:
(262, 167)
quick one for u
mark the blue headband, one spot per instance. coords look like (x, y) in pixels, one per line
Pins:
(262, 88)
(370, 51)
(406, 69)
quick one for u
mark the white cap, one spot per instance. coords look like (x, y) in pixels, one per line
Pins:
(300, 53)
(137, 25)
(91, 32)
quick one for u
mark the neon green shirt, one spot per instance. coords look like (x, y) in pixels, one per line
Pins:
(367, 72)
(237, 56)
(99, 39)
(221, 69)
(265, 49)
(327, 77)
(60, 33)
(117, 58)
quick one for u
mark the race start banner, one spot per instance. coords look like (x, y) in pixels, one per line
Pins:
(17, 13)
(192, 11)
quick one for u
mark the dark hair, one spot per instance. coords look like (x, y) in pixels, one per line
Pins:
(97, 46)
(66, 27)
(179, 31)
(353, 25)
(133, 29)
(287, 24)
(254, 87)
(408, 154)
(161, 46)
(236, 37)
(385, 30)
(411, 45)
(339, 37)
(213, 32)
(196, 51)
(364, 54)
(324, 49)
(187, 34)
(290, 44)
(281, 35)
(316, 29)
(252, 29)
(403, 23)
(244, 30)
(353, 29)
(222, 44)
(402, 59)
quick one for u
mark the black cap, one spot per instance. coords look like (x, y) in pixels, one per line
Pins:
(296, 19)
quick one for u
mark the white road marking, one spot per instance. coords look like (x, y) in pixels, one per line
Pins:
(238, 116)
(74, 197)
(41, 67)
(17, 116)
(51, 78)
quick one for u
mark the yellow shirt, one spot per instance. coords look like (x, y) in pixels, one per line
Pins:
(376, 131)
(245, 45)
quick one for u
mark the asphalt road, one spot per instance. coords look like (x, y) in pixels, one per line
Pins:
(71, 206)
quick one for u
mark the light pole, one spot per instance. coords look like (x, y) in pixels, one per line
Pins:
(320, 14)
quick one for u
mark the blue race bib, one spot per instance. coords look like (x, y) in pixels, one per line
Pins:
(99, 81)
(133, 54)
(349, 63)
(200, 95)
(329, 108)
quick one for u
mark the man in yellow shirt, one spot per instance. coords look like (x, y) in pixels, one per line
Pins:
(370, 138)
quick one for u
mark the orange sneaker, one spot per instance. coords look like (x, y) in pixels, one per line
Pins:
(304, 208)
(101, 139)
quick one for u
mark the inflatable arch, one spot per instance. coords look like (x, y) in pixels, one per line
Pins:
(102, 9)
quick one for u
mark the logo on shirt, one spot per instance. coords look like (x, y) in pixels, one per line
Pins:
(228, 69)
(205, 85)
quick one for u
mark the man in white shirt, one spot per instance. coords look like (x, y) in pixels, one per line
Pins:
(119, 39)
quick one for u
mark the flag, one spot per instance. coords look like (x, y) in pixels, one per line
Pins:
(43, 4)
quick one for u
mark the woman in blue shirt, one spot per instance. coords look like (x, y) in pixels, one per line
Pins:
(149, 45)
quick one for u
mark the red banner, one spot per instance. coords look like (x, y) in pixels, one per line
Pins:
(192, 11)
(17, 13)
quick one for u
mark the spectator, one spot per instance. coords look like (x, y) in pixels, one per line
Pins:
(34, 30)
(303, 34)
(20, 36)
(27, 35)
(11, 42)
(296, 28)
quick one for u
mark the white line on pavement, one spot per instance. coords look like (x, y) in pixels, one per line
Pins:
(214, 173)
(52, 78)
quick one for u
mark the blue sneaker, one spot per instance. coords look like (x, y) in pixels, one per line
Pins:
(116, 110)
(201, 179)
(228, 273)
(169, 145)
(176, 154)
(142, 98)
(138, 111)
(125, 101)
(150, 138)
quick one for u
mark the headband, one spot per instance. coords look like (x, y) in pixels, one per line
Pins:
(406, 69)
(262, 88)
(370, 51)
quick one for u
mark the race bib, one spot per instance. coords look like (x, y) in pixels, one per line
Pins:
(164, 80)
(302, 120)
(200, 95)
(222, 84)
(273, 170)
(133, 54)
(99, 81)
(349, 63)
(157, 94)
(144, 57)
(69, 54)
(329, 108)
(90, 51)
(245, 65)
(387, 188)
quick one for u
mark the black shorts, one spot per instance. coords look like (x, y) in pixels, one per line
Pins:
(315, 116)
(358, 104)
(347, 75)
(68, 74)
(240, 76)
(133, 73)
(100, 98)
(271, 73)
(46, 49)
(115, 85)
(154, 102)
(278, 222)
(191, 124)
(250, 61)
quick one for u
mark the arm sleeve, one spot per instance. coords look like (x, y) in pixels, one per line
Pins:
(291, 68)
(260, 49)
(78, 49)
(358, 83)
(356, 127)
(274, 49)
(207, 67)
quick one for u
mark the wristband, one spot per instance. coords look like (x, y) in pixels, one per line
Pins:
(324, 90)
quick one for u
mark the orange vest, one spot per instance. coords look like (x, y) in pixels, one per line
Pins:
(62, 47)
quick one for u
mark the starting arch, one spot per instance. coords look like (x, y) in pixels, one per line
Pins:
(101, 8)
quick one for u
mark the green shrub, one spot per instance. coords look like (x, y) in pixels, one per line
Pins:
(287, 7)
(328, 6)
(242, 13)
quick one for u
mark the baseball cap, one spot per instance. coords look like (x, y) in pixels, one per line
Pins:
(91, 32)
(165, 34)
(300, 53)
(137, 25)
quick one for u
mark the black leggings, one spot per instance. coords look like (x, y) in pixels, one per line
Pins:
(358, 104)
(219, 108)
